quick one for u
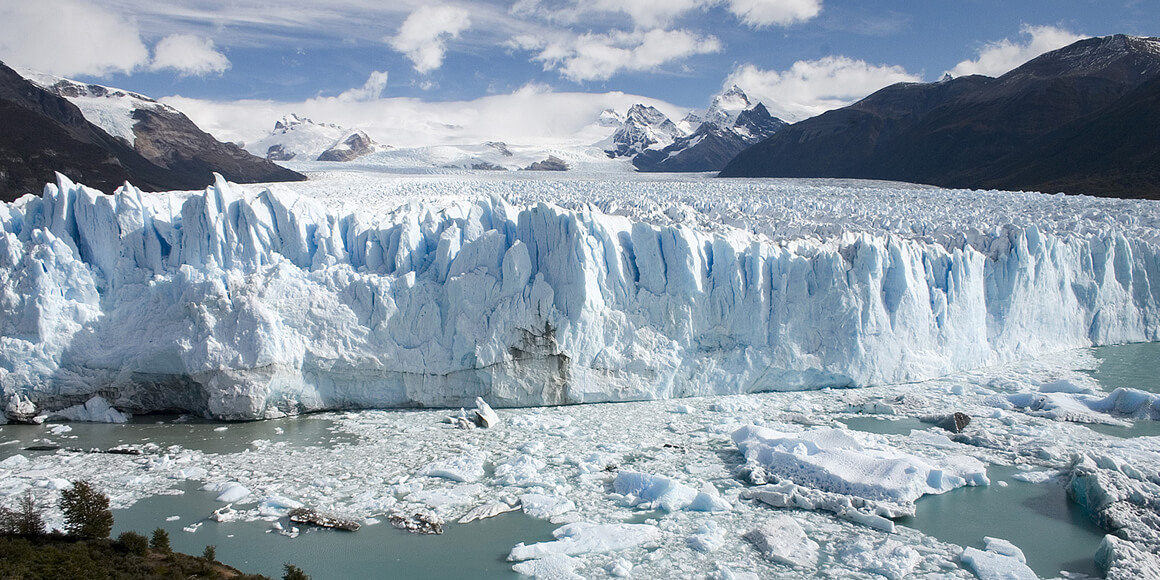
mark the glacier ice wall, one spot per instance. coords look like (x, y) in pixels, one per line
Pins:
(240, 306)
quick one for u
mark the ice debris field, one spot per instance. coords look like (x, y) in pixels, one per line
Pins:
(731, 310)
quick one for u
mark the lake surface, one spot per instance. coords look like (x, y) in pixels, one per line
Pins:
(1053, 533)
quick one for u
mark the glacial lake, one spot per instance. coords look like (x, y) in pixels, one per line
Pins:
(1053, 533)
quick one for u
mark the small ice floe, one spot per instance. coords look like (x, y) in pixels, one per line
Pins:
(172, 518)
(192, 528)
(226, 513)
(228, 491)
(466, 467)
(554, 566)
(305, 515)
(487, 510)
(619, 568)
(891, 558)
(545, 507)
(277, 506)
(1038, 476)
(220, 429)
(850, 463)
(588, 538)
(707, 538)
(95, 410)
(1000, 561)
(655, 491)
(782, 540)
(417, 523)
(684, 409)
(277, 527)
(484, 415)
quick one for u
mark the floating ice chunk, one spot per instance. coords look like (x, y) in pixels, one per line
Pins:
(852, 463)
(484, 415)
(189, 473)
(1000, 561)
(707, 538)
(441, 498)
(545, 507)
(487, 510)
(653, 491)
(466, 467)
(684, 409)
(521, 471)
(15, 462)
(588, 538)
(95, 410)
(709, 500)
(723, 572)
(172, 518)
(891, 558)
(933, 439)
(782, 540)
(229, 492)
(619, 568)
(54, 484)
(277, 506)
(1038, 476)
(551, 567)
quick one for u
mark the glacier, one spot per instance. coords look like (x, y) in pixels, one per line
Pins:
(244, 303)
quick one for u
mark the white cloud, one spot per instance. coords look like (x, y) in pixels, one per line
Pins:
(661, 13)
(423, 35)
(763, 13)
(813, 87)
(589, 57)
(69, 38)
(189, 55)
(997, 58)
(371, 90)
(532, 115)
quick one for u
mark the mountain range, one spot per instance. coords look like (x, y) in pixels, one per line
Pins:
(110, 137)
(1081, 119)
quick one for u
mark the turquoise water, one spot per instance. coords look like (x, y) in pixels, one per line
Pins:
(477, 550)
(881, 426)
(1052, 531)
(1134, 366)
(167, 430)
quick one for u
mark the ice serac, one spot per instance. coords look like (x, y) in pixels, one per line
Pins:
(241, 306)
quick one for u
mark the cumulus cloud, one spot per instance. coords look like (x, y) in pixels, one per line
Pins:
(531, 116)
(69, 38)
(189, 55)
(763, 13)
(423, 35)
(371, 90)
(999, 57)
(590, 57)
(813, 87)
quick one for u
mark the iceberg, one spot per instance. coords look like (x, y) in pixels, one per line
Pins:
(239, 304)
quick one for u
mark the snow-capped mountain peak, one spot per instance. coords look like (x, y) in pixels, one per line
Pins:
(725, 108)
(644, 127)
(301, 139)
(109, 108)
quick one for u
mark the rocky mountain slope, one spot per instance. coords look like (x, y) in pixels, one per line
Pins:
(116, 136)
(297, 138)
(1034, 128)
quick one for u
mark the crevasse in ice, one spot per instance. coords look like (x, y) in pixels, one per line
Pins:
(238, 305)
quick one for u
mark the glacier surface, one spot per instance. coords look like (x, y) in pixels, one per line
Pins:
(242, 303)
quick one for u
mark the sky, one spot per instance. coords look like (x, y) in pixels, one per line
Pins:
(420, 71)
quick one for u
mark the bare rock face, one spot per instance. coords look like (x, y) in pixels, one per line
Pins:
(352, 147)
(552, 163)
(44, 133)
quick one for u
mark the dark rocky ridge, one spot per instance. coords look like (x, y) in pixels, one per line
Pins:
(711, 146)
(1080, 120)
(44, 133)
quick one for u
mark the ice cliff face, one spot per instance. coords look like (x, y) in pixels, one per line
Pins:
(242, 306)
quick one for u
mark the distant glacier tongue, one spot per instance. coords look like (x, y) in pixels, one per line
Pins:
(241, 306)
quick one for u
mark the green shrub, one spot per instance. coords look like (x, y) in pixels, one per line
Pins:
(294, 573)
(210, 553)
(133, 543)
(160, 541)
(86, 512)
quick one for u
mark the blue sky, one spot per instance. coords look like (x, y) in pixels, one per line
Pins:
(799, 56)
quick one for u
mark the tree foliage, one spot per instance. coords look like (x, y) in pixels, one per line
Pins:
(160, 541)
(293, 573)
(86, 512)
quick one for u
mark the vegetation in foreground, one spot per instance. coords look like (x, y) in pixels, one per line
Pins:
(29, 552)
